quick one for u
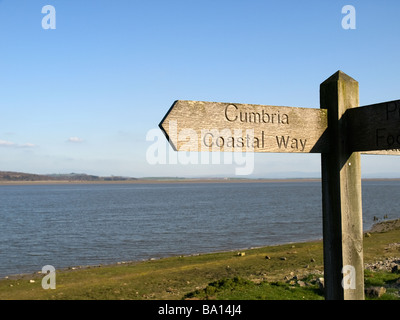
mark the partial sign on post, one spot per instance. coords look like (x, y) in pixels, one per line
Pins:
(216, 126)
(375, 129)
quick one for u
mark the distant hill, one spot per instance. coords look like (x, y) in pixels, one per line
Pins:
(21, 176)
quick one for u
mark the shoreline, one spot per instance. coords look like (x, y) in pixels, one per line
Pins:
(378, 227)
(71, 268)
(174, 181)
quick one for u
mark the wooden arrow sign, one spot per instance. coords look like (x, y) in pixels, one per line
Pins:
(375, 127)
(215, 126)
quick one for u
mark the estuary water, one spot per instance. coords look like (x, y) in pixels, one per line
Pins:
(89, 224)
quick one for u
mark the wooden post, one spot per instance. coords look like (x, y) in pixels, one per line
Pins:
(341, 195)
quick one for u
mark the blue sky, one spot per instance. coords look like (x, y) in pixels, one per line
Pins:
(82, 97)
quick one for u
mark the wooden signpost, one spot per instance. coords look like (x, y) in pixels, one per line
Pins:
(339, 130)
(226, 127)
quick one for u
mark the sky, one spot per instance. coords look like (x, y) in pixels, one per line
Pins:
(84, 95)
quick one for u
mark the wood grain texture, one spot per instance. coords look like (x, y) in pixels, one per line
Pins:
(341, 193)
(216, 126)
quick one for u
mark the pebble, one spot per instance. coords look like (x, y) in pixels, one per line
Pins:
(301, 283)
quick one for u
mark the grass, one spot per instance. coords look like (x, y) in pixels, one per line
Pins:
(390, 281)
(225, 275)
(241, 289)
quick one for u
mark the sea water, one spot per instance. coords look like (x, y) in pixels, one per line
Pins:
(89, 224)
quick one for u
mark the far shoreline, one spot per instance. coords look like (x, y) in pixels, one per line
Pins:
(156, 181)
(173, 181)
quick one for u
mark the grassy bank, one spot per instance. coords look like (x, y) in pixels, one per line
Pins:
(264, 273)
